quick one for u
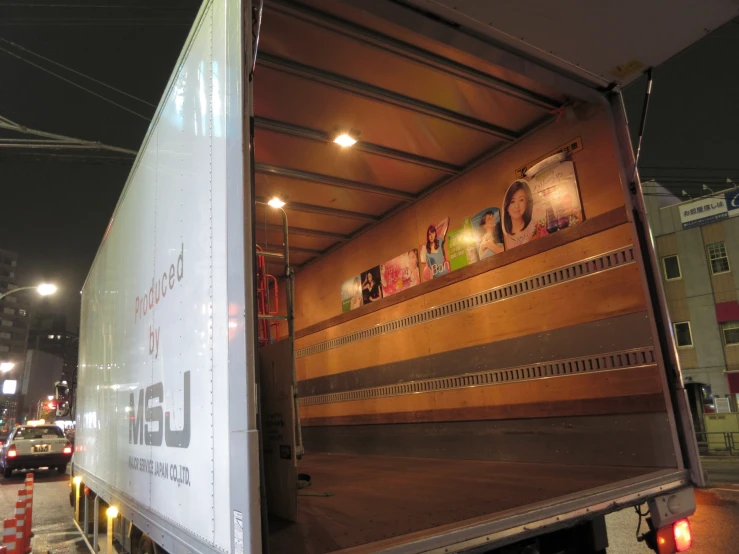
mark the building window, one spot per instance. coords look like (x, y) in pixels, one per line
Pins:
(730, 329)
(671, 267)
(718, 258)
(683, 336)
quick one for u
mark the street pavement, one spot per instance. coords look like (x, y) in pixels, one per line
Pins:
(715, 524)
(52, 514)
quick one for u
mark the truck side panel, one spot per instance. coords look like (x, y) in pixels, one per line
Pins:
(153, 417)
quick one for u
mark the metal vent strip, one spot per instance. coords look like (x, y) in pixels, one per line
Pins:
(572, 366)
(589, 266)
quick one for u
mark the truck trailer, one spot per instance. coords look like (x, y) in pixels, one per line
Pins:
(380, 280)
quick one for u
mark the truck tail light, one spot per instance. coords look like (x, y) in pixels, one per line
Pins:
(682, 534)
(68, 448)
(676, 537)
(12, 452)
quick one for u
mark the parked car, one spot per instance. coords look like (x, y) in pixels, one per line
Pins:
(35, 446)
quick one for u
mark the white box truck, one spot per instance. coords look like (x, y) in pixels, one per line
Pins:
(463, 347)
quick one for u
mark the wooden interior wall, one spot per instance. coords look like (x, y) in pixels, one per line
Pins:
(591, 323)
(320, 283)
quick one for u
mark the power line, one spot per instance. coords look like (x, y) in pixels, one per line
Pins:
(74, 84)
(76, 72)
(96, 6)
(61, 21)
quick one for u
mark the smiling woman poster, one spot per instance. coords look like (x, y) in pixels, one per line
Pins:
(547, 201)
(432, 251)
(518, 211)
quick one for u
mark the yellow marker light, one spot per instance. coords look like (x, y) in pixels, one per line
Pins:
(345, 140)
(112, 512)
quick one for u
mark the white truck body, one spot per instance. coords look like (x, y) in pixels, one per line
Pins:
(166, 401)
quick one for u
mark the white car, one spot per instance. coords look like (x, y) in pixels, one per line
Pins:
(35, 446)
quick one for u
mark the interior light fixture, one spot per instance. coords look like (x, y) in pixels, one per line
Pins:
(345, 140)
(275, 203)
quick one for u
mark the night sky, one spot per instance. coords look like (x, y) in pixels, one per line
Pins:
(54, 210)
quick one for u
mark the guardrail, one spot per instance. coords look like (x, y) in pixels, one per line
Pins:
(719, 443)
(17, 529)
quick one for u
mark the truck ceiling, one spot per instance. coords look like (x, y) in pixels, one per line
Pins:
(427, 98)
(422, 112)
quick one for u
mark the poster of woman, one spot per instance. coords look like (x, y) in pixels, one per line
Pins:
(518, 208)
(400, 273)
(371, 285)
(546, 202)
(351, 294)
(432, 251)
(488, 233)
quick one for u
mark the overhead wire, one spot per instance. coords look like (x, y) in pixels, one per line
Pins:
(16, 45)
(42, 68)
(61, 21)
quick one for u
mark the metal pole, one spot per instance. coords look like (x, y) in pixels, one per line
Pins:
(290, 294)
(95, 522)
(3, 295)
(86, 527)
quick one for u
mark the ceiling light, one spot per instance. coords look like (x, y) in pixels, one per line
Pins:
(345, 140)
(275, 203)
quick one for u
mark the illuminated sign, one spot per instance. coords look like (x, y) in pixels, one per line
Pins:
(10, 386)
(703, 211)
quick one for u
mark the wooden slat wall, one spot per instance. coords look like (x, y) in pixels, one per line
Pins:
(602, 296)
(566, 304)
(600, 385)
(319, 284)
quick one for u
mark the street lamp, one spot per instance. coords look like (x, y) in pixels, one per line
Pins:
(44, 289)
(6, 366)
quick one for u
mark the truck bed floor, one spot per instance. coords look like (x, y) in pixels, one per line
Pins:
(376, 498)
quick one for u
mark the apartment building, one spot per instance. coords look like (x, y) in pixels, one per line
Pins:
(14, 313)
(698, 246)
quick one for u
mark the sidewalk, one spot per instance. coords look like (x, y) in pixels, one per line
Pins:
(721, 470)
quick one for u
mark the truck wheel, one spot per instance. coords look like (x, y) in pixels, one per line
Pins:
(7, 472)
(147, 546)
(61, 470)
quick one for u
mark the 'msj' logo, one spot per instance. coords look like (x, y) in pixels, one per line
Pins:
(150, 411)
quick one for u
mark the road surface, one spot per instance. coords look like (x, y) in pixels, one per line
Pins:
(715, 524)
(52, 514)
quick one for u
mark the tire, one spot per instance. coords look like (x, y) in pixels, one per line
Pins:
(146, 545)
(7, 473)
(61, 470)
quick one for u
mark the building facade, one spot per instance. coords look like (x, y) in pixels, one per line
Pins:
(49, 333)
(40, 371)
(698, 246)
(14, 313)
(14, 325)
